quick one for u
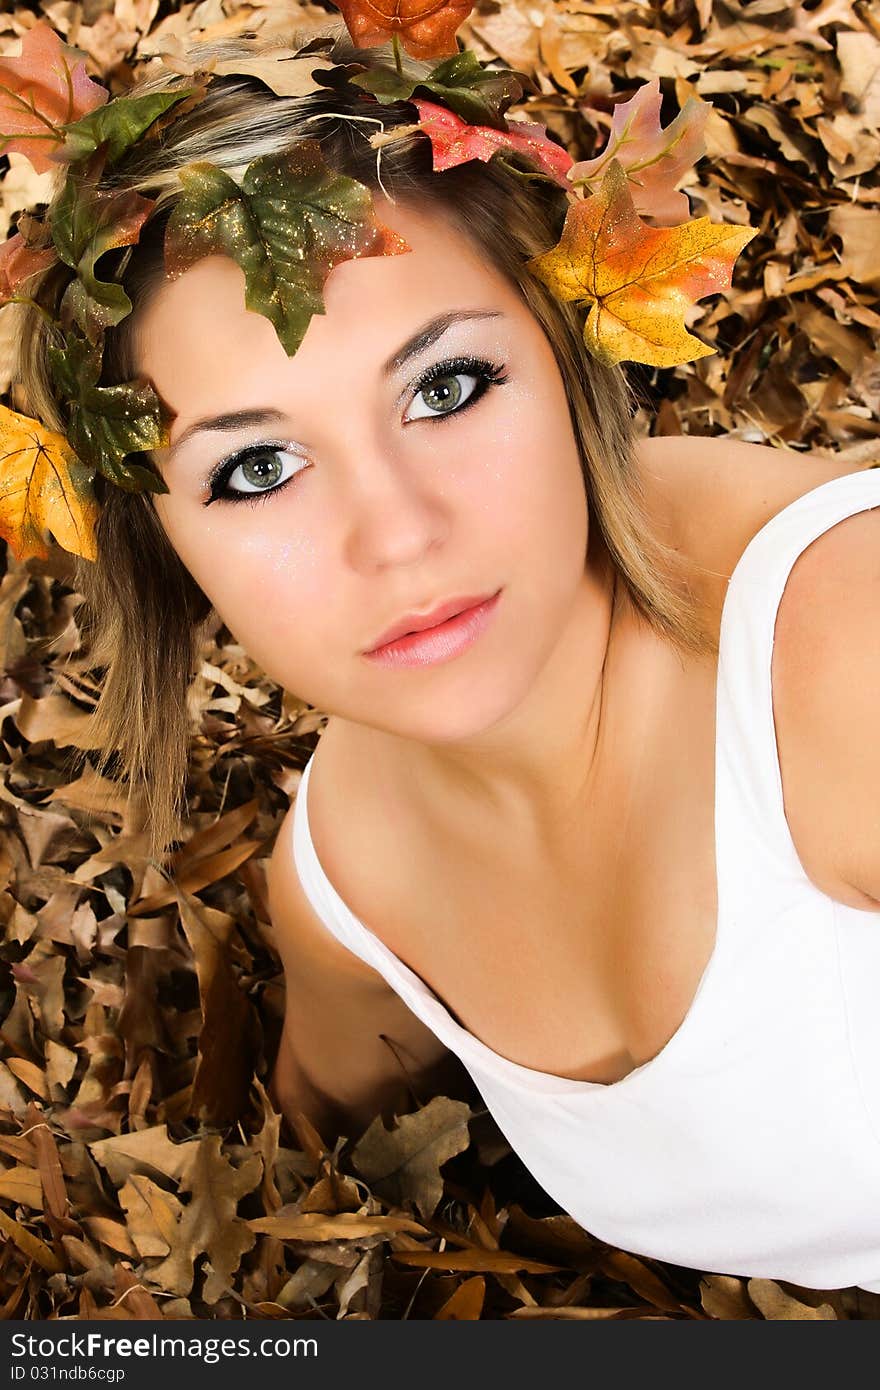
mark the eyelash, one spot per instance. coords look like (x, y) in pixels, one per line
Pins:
(488, 374)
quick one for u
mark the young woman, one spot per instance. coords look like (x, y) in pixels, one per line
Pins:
(606, 839)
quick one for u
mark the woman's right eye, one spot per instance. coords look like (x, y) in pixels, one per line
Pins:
(261, 474)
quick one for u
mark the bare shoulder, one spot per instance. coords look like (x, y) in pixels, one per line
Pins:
(710, 496)
(299, 931)
(350, 1047)
(825, 682)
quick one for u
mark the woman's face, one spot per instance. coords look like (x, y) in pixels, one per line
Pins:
(355, 493)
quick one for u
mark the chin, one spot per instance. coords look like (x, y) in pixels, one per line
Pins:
(450, 716)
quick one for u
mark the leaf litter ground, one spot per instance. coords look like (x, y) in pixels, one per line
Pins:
(143, 1170)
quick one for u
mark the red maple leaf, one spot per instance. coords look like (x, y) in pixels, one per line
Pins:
(454, 141)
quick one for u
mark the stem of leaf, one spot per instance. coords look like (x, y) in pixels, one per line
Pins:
(395, 45)
(521, 173)
(26, 299)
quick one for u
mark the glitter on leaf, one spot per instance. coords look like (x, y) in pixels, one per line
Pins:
(455, 141)
(286, 225)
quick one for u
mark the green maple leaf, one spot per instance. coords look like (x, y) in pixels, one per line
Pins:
(288, 222)
(118, 125)
(108, 422)
(479, 95)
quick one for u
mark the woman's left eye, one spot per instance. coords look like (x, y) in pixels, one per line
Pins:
(450, 387)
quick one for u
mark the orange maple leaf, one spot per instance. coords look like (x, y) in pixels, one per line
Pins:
(638, 280)
(40, 91)
(43, 487)
(426, 27)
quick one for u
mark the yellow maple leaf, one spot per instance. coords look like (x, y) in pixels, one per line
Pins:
(43, 487)
(638, 280)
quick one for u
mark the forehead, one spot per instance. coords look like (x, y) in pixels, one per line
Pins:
(197, 328)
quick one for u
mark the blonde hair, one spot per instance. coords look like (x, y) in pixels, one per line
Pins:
(143, 616)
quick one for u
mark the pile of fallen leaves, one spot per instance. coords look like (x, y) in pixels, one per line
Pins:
(143, 1171)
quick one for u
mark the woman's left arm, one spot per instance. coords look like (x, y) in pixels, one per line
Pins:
(826, 699)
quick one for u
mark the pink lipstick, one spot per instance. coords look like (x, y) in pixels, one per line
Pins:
(440, 643)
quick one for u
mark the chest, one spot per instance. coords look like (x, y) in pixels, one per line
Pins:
(579, 955)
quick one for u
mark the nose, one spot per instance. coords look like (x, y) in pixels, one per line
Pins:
(396, 512)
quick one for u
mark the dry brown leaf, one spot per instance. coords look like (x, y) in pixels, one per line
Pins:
(859, 231)
(487, 1261)
(209, 1223)
(466, 1304)
(152, 1215)
(56, 718)
(22, 1185)
(403, 1164)
(228, 1037)
(641, 1279)
(132, 1297)
(49, 1165)
(150, 1152)
(775, 1303)
(110, 1232)
(31, 1246)
(199, 875)
(581, 1314)
(216, 836)
(29, 1075)
(723, 1296)
(346, 1225)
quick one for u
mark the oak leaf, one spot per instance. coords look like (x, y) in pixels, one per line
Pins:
(149, 1151)
(43, 487)
(41, 91)
(638, 281)
(426, 28)
(288, 223)
(404, 1163)
(209, 1223)
(455, 141)
(653, 159)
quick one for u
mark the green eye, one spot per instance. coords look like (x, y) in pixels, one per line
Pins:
(263, 469)
(443, 394)
(453, 386)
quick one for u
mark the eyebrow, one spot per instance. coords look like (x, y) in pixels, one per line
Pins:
(423, 338)
(430, 332)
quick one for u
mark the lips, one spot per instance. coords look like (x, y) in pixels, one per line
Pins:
(418, 622)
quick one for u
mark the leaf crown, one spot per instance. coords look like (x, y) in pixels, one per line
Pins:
(290, 218)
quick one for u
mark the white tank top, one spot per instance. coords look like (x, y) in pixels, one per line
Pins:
(750, 1145)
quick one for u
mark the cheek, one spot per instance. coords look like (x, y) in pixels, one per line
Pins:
(264, 578)
(521, 479)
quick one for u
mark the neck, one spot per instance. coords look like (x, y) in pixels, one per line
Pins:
(538, 767)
